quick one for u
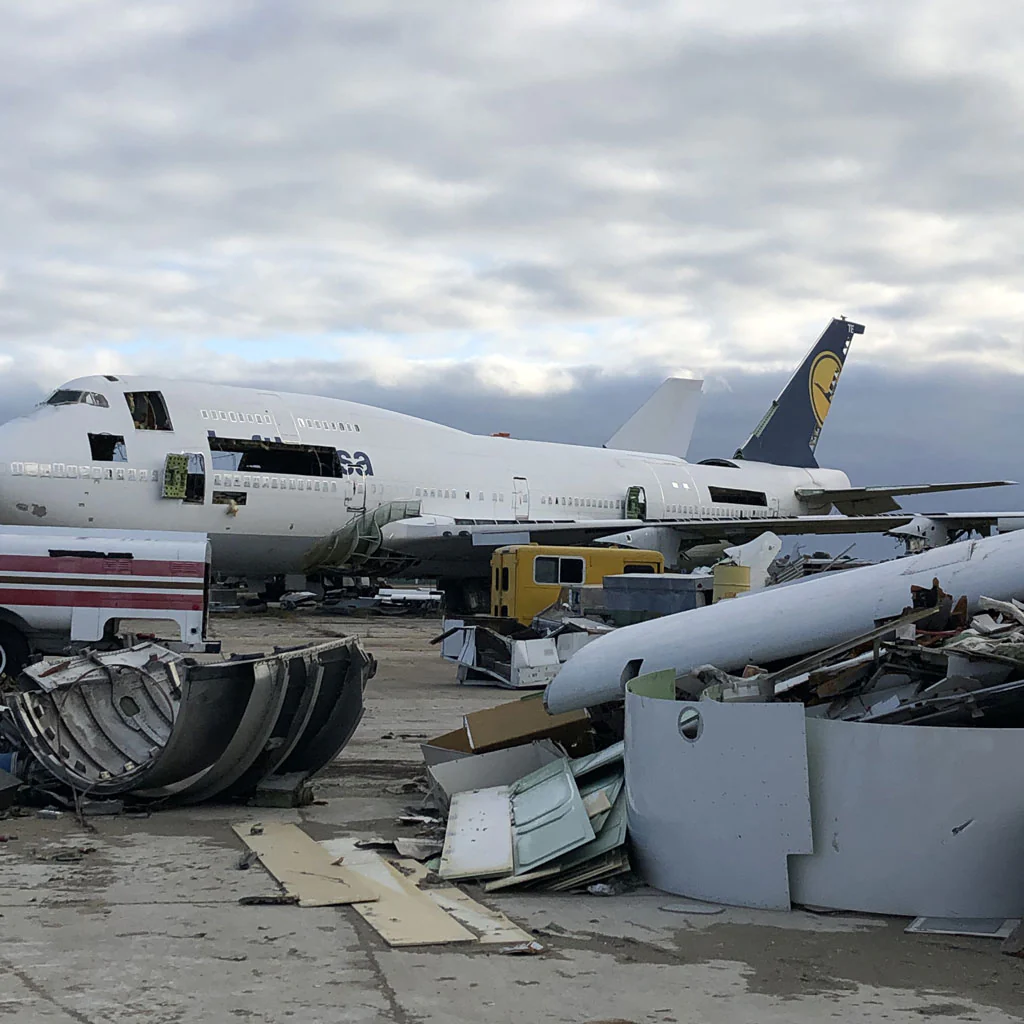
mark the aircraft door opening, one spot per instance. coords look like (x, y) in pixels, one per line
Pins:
(520, 498)
(355, 492)
(185, 477)
(283, 419)
(636, 503)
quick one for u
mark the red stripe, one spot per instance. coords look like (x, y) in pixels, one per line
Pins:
(101, 566)
(104, 599)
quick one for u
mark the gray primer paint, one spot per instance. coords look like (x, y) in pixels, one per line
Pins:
(716, 817)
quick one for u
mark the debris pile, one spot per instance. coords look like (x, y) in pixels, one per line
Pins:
(930, 667)
(157, 726)
(528, 802)
(514, 656)
(882, 775)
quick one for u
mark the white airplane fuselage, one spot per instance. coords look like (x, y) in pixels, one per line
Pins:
(53, 473)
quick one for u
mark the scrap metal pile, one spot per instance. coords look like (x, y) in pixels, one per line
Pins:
(522, 811)
(154, 725)
(882, 775)
(938, 669)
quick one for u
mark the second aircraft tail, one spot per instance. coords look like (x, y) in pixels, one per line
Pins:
(788, 432)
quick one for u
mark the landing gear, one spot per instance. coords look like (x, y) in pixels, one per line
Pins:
(14, 651)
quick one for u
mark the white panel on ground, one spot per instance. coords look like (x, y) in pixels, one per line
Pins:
(717, 797)
(478, 840)
(914, 820)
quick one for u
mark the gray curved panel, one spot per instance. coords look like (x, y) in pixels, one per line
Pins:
(914, 820)
(716, 797)
(337, 713)
(247, 742)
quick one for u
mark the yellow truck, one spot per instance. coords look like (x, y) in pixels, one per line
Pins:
(526, 578)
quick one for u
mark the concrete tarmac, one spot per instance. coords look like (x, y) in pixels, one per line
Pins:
(146, 925)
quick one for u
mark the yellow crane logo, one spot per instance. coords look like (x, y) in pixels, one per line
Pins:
(822, 382)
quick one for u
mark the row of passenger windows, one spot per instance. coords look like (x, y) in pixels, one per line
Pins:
(325, 424)
(583, 502)
(67, 470)
(449, 492)
(263, 419)
(446, 492)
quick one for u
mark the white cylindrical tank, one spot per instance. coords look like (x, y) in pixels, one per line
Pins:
(786, 621)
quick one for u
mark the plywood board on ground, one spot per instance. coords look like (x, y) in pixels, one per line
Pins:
(491, 926)
(403, 914)
(303, 867)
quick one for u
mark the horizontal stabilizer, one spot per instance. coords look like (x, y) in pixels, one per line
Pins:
(663, 425)
(869, 501)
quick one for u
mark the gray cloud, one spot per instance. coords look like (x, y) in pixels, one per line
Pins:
(247, 170)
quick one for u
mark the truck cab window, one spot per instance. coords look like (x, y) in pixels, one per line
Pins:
(545, 569)
(107, 448)
(571, 570)
(148, 409)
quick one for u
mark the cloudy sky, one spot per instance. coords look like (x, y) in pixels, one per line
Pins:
(522, 214)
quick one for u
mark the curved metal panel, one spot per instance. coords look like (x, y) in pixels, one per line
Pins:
(338, 709)
(717, 797)
(914, 820)
(150, 722)
(301, 681)
(248, 740)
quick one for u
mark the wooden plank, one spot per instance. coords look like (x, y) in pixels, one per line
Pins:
(403, 915)
(492, 926)
(303, 867)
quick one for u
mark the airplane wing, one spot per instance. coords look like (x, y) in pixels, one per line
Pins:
(935, 528)
(430, 540)
(399, 534)
(861, 501)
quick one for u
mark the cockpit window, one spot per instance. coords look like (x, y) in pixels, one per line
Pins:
(107, 448)
(64, 396)
(148, 409)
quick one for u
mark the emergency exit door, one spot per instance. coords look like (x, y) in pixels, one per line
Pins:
(520, 498)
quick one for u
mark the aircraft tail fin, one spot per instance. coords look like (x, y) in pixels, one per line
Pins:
(664, 423)
(788, 432)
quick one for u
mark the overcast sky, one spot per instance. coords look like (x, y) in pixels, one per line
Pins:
(522, 215)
